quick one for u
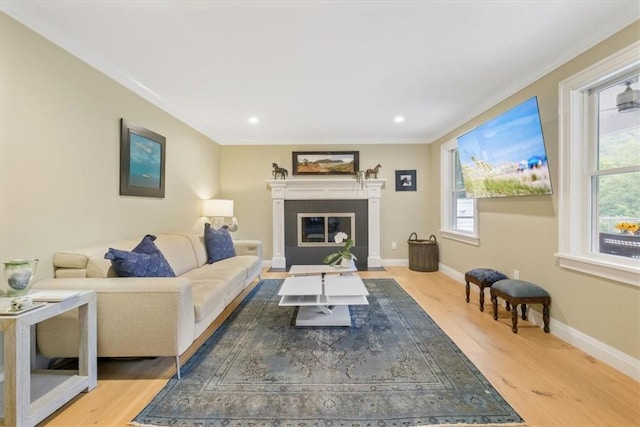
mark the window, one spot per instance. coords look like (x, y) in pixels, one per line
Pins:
(458, 217)
(615, 174)
(600, 170)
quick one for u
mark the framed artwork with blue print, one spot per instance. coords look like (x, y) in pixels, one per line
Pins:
(142, 161)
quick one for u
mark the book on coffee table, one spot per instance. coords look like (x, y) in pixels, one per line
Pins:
(53, 295)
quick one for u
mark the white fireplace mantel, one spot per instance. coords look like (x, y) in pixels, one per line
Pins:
(326, 189)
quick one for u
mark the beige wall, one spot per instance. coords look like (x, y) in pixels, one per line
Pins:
(246, 168)
(59, 155)
(522, 232)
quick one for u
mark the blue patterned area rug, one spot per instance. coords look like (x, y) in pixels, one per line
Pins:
(393, 367)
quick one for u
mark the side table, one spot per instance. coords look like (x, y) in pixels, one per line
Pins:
(31, 395)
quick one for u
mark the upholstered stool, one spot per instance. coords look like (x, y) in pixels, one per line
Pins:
(484, 278)
(519, 292)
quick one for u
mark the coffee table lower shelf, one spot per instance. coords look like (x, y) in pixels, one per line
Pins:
(315, 316)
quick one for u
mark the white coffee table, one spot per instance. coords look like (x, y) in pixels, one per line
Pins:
(323, 300)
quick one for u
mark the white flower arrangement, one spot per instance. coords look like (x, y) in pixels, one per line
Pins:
(344, 253)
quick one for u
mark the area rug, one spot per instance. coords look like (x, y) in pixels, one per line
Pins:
(393, 367)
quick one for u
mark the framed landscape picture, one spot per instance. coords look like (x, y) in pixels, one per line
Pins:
(325, 162)
(142, 161)
(406, 180)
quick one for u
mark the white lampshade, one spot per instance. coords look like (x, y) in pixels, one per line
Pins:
(217, 208)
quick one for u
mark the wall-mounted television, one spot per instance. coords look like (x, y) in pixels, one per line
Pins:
(506, 156)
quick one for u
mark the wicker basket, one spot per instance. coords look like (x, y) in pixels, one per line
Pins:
(423, 254)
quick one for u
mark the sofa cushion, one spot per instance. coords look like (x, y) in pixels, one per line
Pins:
(178, 251)
(79, 258)
(134, 264)
(98, 267)
(219, 243)
(228, 273)
(208, 296)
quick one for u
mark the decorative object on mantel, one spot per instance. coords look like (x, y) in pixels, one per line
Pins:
(217, 210)
(406, 180)
(325, 162)
(372, 171)
(343, 256)
(360, 177)
(19, 273)
(277, 170)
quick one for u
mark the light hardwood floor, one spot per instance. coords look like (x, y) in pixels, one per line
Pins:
(547, 381)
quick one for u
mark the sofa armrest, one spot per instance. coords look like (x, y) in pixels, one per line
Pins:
(136, 317)
(248, 247)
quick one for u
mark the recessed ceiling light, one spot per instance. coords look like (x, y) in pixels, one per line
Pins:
(253, 120)
(399, 119)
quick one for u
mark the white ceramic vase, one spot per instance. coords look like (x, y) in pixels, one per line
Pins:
(347, 263)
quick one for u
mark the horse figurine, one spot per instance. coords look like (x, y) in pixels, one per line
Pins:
(373, 172)
(277, 170)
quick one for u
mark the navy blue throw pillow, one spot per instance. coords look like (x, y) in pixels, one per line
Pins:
(146, 246)
(134, 264)
(219, 244)
(145, 260)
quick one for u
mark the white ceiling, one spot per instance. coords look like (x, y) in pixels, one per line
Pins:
(329, 72)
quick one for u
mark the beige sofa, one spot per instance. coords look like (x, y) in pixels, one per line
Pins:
(141, 317)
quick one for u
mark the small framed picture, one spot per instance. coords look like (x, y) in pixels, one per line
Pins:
(406, 180)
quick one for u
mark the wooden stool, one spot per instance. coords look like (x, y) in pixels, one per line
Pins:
(484, 278)
(518, 292)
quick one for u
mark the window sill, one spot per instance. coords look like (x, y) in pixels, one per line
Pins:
(620, 272)
(469, 239)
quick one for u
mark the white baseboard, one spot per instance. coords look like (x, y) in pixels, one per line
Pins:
(601, 351)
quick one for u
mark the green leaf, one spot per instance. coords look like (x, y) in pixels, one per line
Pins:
(332, 259)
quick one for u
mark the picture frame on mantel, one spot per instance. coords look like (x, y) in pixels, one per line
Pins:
(142, 161)
(406, 180)
(325, 162)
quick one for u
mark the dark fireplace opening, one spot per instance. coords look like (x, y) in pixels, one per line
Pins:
(321, 228)
(310, 227)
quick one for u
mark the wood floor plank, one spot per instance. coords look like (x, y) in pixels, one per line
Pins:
(547, 381)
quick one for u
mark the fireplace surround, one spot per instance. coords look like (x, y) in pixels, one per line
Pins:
(326, 189)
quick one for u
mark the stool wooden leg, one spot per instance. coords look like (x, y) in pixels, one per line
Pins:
(481, 298)
(523, 308)
(494, 301)
(545, 317)
(468, 289)
(514, 319)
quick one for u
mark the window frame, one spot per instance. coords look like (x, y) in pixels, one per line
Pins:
(575, 213)
(447, 229)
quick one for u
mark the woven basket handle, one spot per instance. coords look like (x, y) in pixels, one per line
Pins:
(413, 236)
(432, 237)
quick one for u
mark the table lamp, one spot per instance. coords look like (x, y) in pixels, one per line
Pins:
(217, 210)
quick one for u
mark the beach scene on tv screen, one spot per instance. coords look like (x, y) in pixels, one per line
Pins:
(506, 156)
